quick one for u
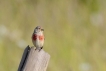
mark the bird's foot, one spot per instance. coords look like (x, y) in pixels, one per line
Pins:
(40, 48)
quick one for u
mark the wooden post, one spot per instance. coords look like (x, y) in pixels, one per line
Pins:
(34, 60)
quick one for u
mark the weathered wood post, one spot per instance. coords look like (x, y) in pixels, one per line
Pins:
(34, 60)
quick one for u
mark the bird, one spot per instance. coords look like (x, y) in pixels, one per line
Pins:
(38, 37)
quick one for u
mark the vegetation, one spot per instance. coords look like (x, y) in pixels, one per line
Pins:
(75, 33)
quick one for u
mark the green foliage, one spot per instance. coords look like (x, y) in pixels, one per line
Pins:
(93, 5)
(75, 34)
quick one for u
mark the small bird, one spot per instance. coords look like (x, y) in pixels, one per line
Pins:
(38, 37)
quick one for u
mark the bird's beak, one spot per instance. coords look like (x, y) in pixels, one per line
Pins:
(42, 29)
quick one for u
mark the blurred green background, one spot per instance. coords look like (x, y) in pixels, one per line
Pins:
(75, 33)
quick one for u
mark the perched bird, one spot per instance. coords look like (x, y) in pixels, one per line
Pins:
(38, 37)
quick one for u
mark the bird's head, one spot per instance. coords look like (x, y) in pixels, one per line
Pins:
(38, 29)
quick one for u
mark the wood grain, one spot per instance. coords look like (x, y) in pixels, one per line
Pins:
(36, 61)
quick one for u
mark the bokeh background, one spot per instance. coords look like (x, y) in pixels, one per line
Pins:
(75, 33)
